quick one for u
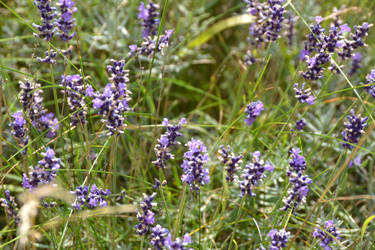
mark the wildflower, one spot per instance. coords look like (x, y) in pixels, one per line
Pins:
(159, 184)
(252, 111)
(230, 161)
(48, 122)
(178, 244)
(279, 238)
(300, 124)
(166, 141)
(356, 64)
(113, 102)
(370, 80)
(298, 192)
(75, 92)
(193, 165)
(65, 22)
(353, 129)
(147, 47)
(148, 16)
(159, 236)
(44, 172)
(47, 14)
(304, 95)
(269, 18)
(253, 174)
(297, 162)
(49, 57)
(145, 215)
(361, 31)
(326, 239)
(19, 129)
(90, 197)
(10, 206)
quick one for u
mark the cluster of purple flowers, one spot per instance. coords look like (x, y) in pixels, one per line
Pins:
(320, 47)
(166, 141)
(145, 215)
(148, 16)
(195, 174)
(279, 238)
(151, 44)
(300, 124)
(90, 197)
(299, 190)
(44, 172)
(65, 23)
(326, 239)
(47, 14)
(353, 129)
(370, 80)
(230, 161)
(178, 244)
(10, 206)
(74, 88)
(162, 239)
(304, 95)
(49, 57)
(19, 129)
(269, 18)
(253, 174)
(252, 111)
(32, 103)
(113, 102)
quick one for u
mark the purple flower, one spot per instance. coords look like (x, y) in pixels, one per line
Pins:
(10, 206)
(253, 174)
(159, 236)
(147, 47)
(166, 141)
(298, 192)
(252, 111)
(49, 57)
(230, 161)
(356, 64)
(326, 239)
(300, 124)
(90, 197)
(353, 129)
(304, 95)
(66, 22)
(195, 174)
(112, 103)
(370, 80)
(145, 215)
(279, 238)
(44, 172)
(48, 122)
(178, 244)
(297, 162)
(19, 129)
(74, 89)
(47, 13)
(148, 16)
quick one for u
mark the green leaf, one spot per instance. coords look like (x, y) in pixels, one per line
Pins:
(367, 221)
(218, 27)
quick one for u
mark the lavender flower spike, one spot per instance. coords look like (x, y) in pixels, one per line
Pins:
(148, 16)
(91, 198)
(353, 129)
(297, 162)
(44, 172)
(19, 129)
(253, 174)
(159, 236)
(166, 141)
(230, 161)
(298, 192)
(300, 124)
(252, 111)
(304, 95)
(356, 64)
(10, 206)
(279, 238)
(370, 80)
(178, 244)
(145, 215)
(66, 22)
(193, 165)
(326, 239)
(47, 14)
